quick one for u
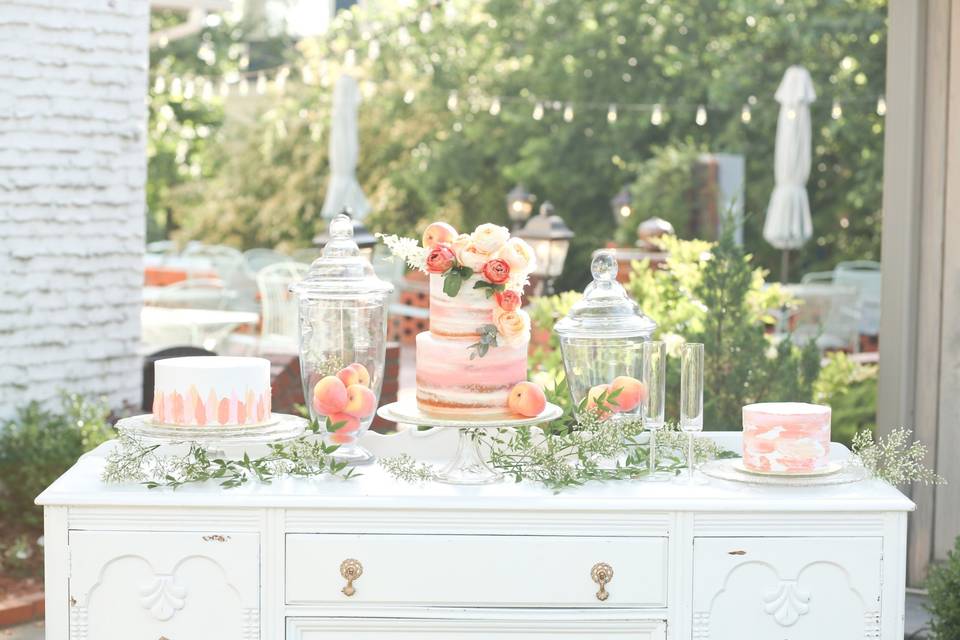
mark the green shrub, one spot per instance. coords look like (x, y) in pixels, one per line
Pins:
(943, 585)
(38, 445)
(850, 388)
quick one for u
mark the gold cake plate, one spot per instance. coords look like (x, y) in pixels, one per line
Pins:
(468, 466)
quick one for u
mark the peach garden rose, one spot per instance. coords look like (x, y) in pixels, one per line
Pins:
(519, 255)
(513, 326)
(490, 237)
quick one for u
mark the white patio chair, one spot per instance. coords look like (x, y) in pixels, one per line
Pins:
(827, 313)
(257, 259)
(279, 327)
(865, 276)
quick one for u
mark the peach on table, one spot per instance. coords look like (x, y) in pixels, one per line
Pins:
(527, 399)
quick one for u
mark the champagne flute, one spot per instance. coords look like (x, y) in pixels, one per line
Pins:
(691, 398)
(653, 373)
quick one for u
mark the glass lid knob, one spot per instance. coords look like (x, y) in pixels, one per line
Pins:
(604, 267)
(341, 227)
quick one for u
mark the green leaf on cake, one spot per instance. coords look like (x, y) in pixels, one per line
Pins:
(488, 338)
(489, 287)
(453, 279)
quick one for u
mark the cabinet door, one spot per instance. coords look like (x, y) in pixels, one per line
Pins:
(180, 586)
(545, 626)
(786, 588)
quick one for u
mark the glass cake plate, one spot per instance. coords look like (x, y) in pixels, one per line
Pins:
(733, 470)
(467, 466)
(280, 428)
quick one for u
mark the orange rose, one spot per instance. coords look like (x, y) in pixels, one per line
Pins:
(513, 326)
(496, 271)
(440, 258)
(508, 300)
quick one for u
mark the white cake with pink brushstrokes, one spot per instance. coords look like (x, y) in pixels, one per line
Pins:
(211, 391)
(786, 437)
(476, 349)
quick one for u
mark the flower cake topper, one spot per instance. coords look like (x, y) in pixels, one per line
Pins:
(501, 264)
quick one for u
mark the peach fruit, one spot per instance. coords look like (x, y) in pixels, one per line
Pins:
(527, 399)
(632, 393)
(354, 373)
(437, 232)
(329, 396)
(594, 393)
(361, 403)
(347, 431)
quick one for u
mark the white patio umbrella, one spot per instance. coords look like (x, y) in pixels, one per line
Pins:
(343, 190)
(788, 225)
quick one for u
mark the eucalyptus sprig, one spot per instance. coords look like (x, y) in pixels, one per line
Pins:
(488, 338)
(894, 458)
(307, 456)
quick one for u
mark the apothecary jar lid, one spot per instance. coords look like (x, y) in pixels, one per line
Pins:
(605, 311)
(341, 272)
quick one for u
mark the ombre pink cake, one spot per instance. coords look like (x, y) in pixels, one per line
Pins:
(786, 437)
(449, 381)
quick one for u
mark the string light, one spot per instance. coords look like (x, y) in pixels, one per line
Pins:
(224, 89)
(538, 111)
(261, 84)
(836, 111)
(656, 117)
(207, 92)
(452, 101)
(373, 52)
(568, 112)
(189, 88)
(612, 113)
(426, 22)
(159, 85)
(244, 86)
(881, 106)
(495, 107)
(409, 95)
(745, 115)
(281, 79)
(176, 87)
(701, 115)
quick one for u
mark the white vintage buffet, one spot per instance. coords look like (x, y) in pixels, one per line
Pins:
(637, 560)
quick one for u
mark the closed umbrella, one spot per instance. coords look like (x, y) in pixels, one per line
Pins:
(343, 190)
(788, 225)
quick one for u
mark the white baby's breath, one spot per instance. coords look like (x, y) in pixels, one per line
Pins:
(407, 249)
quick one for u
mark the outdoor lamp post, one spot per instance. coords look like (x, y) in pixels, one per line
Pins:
(361, 235)
(519, 205)
(550, 238)
(622, 205)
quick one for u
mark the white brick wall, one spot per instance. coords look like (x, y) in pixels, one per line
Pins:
(73, 77)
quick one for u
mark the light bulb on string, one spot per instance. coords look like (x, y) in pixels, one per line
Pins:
(656, 117)
(207, 92)
(261, 84)
(701, 118)
(568, 112)
(452, 101)
(307, 74)
(189, 89)
(373, 51)
(836, 111)
(538, 111)
(426, 22)
(745, 115)
(244, 86)
(495, 107)
(224, 89)
(881, 106)
(159, 85)
(612, 113)
(409, 95)
(176, 87)
(281, 79)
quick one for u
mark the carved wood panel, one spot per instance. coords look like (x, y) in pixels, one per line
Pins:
(769, 587)
(175, 585)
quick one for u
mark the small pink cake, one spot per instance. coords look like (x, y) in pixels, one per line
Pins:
(786, 437)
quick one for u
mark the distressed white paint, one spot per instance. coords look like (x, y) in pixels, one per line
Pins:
(73, 82)
(509, 561)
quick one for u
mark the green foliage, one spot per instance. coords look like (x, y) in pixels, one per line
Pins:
(850, 388)
(943, 586)
(422, 160)
(544, 312)
(894, 458)
(663, 188)
(38, 445)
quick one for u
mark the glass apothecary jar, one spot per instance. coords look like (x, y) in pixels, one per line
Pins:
(601, 341)
(343, 339)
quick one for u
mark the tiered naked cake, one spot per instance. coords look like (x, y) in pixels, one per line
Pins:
(211, 392)
(473, 360)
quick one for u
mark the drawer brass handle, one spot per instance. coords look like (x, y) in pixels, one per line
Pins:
(351, 570)
(602, 573)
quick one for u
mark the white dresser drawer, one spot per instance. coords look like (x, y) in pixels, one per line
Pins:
(529, 627)
(465, 570)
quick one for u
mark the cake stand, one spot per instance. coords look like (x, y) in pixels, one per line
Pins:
(467, 466)
(280, 428)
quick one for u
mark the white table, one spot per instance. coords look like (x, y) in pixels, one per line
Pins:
(166, 327)
(514, 562)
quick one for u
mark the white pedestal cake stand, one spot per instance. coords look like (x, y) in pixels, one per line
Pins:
(467, 466)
